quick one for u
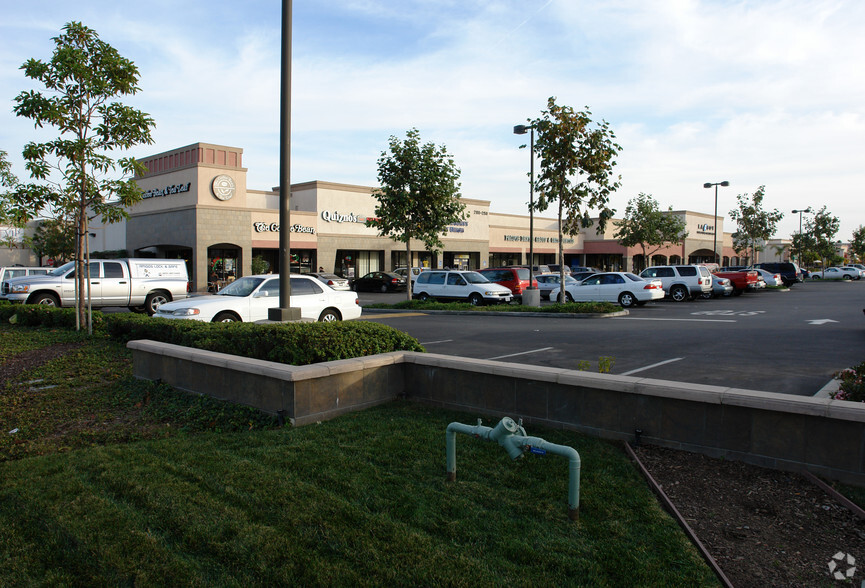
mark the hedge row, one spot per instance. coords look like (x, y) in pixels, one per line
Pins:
(289, 343)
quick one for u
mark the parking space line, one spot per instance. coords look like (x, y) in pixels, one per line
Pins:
(522, 353)
(654, 365)
(640, 318)
(434, 342)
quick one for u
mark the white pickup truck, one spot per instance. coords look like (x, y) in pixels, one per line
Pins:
(139, 284)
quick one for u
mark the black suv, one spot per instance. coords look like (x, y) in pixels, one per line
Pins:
(788, 271)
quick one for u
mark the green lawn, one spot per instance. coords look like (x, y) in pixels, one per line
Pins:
(357, 501)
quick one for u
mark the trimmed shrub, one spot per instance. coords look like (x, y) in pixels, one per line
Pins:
(289, 343)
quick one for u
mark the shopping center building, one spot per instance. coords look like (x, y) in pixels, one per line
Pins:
(196, 206)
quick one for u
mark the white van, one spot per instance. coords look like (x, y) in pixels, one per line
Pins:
(458, 285)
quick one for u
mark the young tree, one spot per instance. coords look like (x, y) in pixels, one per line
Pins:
(646, 225)
(576, 169)
(74, 171)
(754, 224)
(419, 194)
(857, 243)
(8, 181)
(54, 238)
(822, 228)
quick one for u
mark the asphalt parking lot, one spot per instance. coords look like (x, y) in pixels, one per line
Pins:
(778, 341)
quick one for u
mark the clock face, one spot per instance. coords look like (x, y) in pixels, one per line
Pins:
(222, 187)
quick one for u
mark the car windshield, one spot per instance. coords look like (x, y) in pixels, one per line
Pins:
(475, 278)
(241, 287)
(62, 269)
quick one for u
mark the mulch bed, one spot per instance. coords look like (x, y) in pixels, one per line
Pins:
(763, 527)
(28, 360)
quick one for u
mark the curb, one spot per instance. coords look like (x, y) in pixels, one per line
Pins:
(829, 388)
(566, 315)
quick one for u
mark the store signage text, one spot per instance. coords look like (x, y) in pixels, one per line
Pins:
(336, 217)
(458, 227)
(524, 239)
(274, 228)
(705, 228)
(175, 189)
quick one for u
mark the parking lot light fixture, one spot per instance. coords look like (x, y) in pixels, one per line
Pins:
(799, 256)
(521, 130)
(715, 227)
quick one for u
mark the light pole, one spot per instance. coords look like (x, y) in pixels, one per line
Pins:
(715, 227)
(799, 257)
(533, 298)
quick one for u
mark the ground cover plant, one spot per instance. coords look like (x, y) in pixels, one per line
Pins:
(158, 487)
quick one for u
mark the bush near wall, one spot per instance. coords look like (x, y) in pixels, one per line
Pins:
(289, 343)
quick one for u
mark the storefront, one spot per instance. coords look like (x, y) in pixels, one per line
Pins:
(196, 206)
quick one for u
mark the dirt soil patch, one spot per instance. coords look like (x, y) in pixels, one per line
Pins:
(12, 367)
(763, 527)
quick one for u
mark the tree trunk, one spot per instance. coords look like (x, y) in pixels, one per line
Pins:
(562, 296)
(408, 266)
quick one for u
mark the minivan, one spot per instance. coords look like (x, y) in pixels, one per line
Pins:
(465, 286)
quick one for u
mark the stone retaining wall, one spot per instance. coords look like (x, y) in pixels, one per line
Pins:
(764, 428)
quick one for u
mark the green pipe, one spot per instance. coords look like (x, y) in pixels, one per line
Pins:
(505, 434)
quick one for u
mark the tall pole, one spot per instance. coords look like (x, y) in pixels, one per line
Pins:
(284, 312)
(715, 230)
(531, 207)
(800, 232)
(715, 226)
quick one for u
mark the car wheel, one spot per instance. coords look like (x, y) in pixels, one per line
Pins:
(476, 299)
(226, 317)
(383, 288)
(679, 294)
(845, 277)
(568, 297)
(626, 300)
(423, 297)
(329, 315)
(46, 299)
(154, 300)
(815, 277)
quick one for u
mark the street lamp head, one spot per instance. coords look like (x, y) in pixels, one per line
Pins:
(520, 129)
(710, 184)
(725, 183)
(707, 185)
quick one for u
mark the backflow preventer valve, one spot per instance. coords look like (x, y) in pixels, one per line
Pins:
(513, 438)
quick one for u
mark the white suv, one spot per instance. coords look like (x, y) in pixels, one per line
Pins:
(459, 285)
(681, 282)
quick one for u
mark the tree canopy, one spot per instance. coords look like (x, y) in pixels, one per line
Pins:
(646, 225)
(857, 243)
(754, 225)
(576, 169)
(821, 229)
(73, 174)
(418, 195)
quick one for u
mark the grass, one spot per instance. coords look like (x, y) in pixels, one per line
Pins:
(189, 493)
(570, 307)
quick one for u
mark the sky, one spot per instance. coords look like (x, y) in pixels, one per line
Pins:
(752, 92)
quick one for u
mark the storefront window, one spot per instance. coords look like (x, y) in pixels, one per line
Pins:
(223, 267)
(354, 264)
(420, 259)
(505, 259)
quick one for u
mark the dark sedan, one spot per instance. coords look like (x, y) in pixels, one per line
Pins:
(379, 282)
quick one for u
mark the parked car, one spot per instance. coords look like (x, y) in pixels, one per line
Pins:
(516, 279)
(19, 271)
(789, 271)
(855, 269)
(681, 282)
(332, 280)
(379, 282)
(624, 288)
(720, 287)
(459, 285)
(836, 273)
(554, 268)
(578, 268)
(743, 280)
(415, 272)
(549, 282)
(248, 299)
(769, 278)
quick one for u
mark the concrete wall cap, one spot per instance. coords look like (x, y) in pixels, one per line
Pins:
(776, 401)
(680, 390)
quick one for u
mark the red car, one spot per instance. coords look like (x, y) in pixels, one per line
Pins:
(514, 278)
